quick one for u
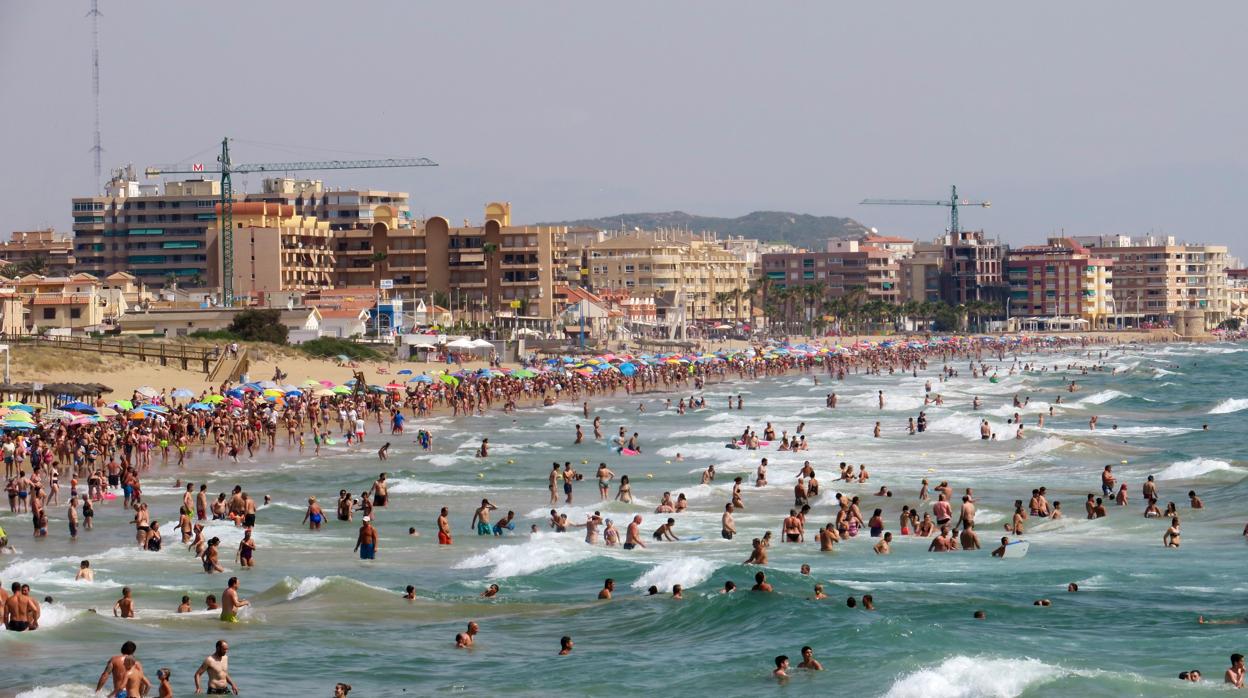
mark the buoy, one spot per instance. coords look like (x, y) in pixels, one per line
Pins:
(511, 461)
(668, 462)
(931, 470)
(649, 476)
(840, 454)
(584, 462)
(923, 455)
(480, 476)
(1124, 461)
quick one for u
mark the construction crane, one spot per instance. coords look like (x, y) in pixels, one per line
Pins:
(226, 168)
(952, 203)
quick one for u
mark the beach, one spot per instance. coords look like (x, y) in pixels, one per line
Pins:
(319, 614)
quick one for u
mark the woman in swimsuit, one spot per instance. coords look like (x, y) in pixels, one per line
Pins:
(625, 491)
(314, 516)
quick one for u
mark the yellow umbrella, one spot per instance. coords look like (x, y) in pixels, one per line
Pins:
(19, 416)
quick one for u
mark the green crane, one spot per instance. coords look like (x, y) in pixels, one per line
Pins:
(952, 203)
(226, 169)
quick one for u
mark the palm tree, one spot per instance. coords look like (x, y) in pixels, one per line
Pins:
(35, 264)
(721, 299)
(738, 295)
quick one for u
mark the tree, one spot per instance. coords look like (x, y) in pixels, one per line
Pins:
(171, 280)
(259, 325)
(721, 299)
(36, 264)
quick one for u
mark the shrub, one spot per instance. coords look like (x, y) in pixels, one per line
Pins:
(259, 325)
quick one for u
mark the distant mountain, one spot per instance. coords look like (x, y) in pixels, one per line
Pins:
(800, 229)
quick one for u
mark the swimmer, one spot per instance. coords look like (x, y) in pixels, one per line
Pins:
(809, 661)
(230, 602)
(464, 640)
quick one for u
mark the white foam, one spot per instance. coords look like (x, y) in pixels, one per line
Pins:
(1230, 405)
(52, 615)
(541, 552)
(964, 677)
(65, 690)
(1192, 469)
(687, 572)
(306, 586)
(1102, 397)
(419, 487)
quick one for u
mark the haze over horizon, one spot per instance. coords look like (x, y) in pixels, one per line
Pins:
(1112, 117)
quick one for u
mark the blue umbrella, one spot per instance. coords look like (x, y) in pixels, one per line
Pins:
(627, 369)
(422, 378)
(182, 392)
(158, 409)
(234, 392)
(405, 372)
(293, 393)
(17, 425)
(201, 406)
(78, 406)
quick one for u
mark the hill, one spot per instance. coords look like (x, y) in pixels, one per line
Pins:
(800, 229)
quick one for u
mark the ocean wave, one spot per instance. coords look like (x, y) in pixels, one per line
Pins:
(65, 690)
(1197, 467)
(1102, 397)
(960, 424)
(52, 615)
(1229, 405)
(419, 487)
(542, 552)
(292, 589)
(687, 572)
(963, 677)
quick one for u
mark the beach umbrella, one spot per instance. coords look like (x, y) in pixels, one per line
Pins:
(627, 369)
(293, 393)
(214, 399)
(17, 425)
(10, 403)
(77, 406)
(422, 378)
(182, 392)
(18, 416)
(343, 358)
(449, 380)
(122, 405)
(324, 392)
(248, 388)
(325, 383)
(394, 386)
(311, 383)
(341, 390)
(138, 415)
(405, 372)
(267, 385)
(523, 373)
(201, 406)
(235, 402)
(273, 392)
(54, 415)
(147, 391)
(156, 409)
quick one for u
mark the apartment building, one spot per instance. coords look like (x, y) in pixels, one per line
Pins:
(683, 265)
(973, 269)
(847, 264)
(1156, 277)
(921, 272)
(39, 251)
(341, 209)
(278, 249)
(71, 303)
(494, 269)
(1061, 279)
(134, 227)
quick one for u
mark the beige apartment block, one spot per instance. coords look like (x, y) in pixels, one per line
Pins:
(648, 263)
(1156, 277)
(277, 249)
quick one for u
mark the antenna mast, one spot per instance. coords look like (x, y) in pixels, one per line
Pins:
(97, 149)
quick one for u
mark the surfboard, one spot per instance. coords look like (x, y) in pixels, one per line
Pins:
(1016, 549)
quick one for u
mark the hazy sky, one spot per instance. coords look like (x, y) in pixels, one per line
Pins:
(1088, 117)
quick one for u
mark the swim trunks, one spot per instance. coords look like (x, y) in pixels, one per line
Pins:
(18, 626)
(444, 538)
(368, 552)
(218, 691)
(249, 520)
(727, 535)
(629, 546)
(379, 500)
(567, 488)
(229, 617)
(483, 528)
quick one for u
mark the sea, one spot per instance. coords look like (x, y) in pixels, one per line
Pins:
(319, 615)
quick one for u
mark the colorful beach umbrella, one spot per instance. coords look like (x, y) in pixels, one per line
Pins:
(214, 399)
(182, 392)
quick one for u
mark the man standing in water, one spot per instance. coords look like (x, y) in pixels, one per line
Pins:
(217, 666)
(366, 542)
(230, 603)
(378, 491)
(481, 518)
(444, 527)
(632, 537)
(116, 668)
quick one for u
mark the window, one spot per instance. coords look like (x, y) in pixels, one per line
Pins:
(49, 313)
(75, 313)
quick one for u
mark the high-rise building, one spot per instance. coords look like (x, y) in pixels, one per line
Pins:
(1061, 279)
(155, 236)
(1156, 277)
(921, 271)
(276, 249)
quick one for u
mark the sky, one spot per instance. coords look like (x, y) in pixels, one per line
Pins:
(1070, 117)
